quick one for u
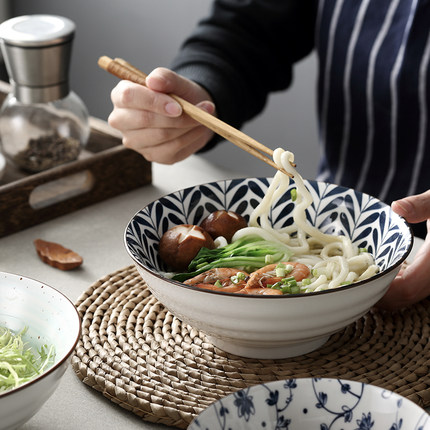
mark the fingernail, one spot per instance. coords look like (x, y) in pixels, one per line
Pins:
(207, 106)
(173, 109)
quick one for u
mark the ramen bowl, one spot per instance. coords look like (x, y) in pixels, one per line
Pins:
(270, 326)
(50, 320)
(313, 403)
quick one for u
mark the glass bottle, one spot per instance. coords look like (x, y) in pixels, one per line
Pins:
(43, 123)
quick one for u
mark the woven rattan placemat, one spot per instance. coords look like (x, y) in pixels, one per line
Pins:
(141, 357)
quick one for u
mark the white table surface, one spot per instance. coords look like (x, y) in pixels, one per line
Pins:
(96, 233)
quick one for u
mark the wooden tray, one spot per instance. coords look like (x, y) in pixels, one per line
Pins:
(104, 169)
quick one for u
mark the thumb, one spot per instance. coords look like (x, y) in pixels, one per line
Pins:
(413, 208)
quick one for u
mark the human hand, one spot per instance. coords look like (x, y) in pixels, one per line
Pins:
(153, 124)
(412, 284)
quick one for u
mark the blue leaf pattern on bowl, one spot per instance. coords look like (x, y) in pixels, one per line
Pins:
(335, 210)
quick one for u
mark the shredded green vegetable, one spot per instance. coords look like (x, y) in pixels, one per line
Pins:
(248, 253)
(18, 363)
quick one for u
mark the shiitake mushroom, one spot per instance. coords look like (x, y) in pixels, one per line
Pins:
(180, 244)
(223, 223)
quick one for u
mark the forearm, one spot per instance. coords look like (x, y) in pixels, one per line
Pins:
(244, 51)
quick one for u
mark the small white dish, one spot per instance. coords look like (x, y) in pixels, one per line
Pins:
(312, 404)
(51, 319)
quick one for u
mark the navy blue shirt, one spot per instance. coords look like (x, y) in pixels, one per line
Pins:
(373, 94)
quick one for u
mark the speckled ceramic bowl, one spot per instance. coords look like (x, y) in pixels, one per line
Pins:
(313, 404)
(51, 319)
(270, 326)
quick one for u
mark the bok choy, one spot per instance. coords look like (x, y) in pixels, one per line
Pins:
(248, 253)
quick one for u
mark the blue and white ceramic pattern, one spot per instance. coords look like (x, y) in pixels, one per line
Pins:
(287, 325)
(369, 222)
(313, 404)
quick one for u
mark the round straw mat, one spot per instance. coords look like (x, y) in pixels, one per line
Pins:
(141, 357)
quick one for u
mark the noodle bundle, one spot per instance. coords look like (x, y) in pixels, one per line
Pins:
(335, 260)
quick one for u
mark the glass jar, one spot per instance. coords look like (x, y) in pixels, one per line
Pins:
(36, 137)
(43, 123)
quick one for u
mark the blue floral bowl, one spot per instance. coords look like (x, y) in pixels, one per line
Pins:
(270, 326)
(313, 403)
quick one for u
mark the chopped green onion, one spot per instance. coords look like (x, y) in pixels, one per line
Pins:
(290, 279)
(362, 249)
(289, 268)
(280, 273)
(280, 270)
(240, 276)
(295, 289)
(218, 284)
(306, 281)
(291, 289)
(276, 285)
(314, 273)
(268, 259)
(290, 286)
(294, 194)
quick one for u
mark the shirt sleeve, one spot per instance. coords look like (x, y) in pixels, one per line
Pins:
(246, 49)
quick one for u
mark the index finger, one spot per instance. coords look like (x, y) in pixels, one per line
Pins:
(130, 95)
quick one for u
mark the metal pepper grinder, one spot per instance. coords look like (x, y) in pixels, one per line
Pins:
(43, 123)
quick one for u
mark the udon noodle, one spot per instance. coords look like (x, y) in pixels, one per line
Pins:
(335, 260)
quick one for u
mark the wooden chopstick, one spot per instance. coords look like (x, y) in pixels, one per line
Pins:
(124, 70)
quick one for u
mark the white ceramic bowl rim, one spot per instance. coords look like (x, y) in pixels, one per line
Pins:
(264, 297)
(62, 360)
